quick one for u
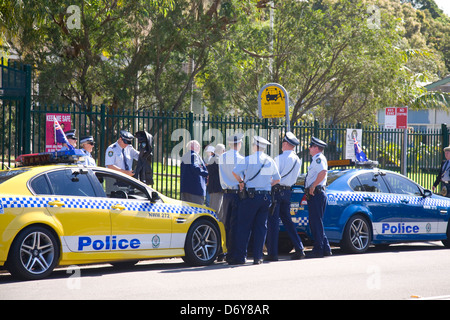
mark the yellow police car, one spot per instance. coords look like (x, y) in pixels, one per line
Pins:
(71, 214)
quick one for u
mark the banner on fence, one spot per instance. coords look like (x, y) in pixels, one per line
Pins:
(350, 137)
(65, 121)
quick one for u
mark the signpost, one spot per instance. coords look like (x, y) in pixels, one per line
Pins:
(273, 102)
(397, 118)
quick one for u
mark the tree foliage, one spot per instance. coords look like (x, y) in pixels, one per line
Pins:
(339, 60)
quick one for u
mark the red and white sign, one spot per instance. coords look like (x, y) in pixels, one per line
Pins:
(396, 118)
(64, 120)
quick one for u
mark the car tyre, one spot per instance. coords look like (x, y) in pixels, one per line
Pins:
(33, 254)
(357, 235)
(202, 243)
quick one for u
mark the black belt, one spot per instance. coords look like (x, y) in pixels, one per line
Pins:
(261, 192)
(236, 191)
(280, 187)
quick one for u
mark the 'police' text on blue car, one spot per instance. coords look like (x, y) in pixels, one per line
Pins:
(374, 206)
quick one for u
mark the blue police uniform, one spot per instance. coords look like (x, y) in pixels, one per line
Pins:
(289, 166)
(122, 158)
(318, 202)
(88, 159)
(230, 187)
(258, 170)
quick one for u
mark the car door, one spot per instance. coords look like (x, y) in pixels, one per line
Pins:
(136, 222)
(420, 217)
(70, 197)
(386, 211)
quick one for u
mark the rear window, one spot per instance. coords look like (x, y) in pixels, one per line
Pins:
(6, 175)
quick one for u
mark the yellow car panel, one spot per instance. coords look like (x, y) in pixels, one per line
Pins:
(62, 215)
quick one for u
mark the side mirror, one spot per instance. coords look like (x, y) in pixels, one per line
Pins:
(155, 196)
(427, 193)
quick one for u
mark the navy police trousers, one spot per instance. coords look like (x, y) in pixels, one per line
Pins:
(316, 209)
(282, 211)
(251, 219)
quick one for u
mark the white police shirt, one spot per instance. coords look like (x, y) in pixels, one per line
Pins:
(318, 164)
(88, 160)
(251, 165)
(227, 162)
(114, 156)
(289, 166)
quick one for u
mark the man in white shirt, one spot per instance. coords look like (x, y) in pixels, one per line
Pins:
(315, 182)
(119, 156)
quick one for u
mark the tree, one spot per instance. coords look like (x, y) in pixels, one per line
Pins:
(116, 52)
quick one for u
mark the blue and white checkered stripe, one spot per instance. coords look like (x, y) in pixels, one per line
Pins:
(387, 198)
(100, 204)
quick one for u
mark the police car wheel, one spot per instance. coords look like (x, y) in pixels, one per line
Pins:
(357, 235)
(202, 243)
(33, 254)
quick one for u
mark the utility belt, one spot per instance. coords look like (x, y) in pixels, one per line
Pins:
(235, 191)
(250, 193)
(317, 190)
(279, 188)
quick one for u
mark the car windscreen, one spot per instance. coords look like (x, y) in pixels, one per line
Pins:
(331, 177)
(6, 175)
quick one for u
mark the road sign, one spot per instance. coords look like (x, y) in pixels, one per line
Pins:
(273, 101)
(396, 118)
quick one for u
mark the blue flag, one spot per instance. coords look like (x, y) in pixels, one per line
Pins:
(60, 135)
(359, 154)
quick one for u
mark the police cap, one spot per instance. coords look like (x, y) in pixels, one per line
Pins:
(87, 139)
(317, 142)
(291, 139)
(236, 138)
(261, 142)
(126, 136)
(70, 134)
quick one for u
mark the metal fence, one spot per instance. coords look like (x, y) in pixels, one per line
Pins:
(172, 131)
(23, 130)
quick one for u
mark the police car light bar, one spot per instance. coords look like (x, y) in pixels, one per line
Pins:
(349, 162)
(44, 158)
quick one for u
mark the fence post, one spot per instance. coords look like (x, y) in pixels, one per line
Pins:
(27, 110)
(191, 124)
(444, 138)
(101, 155)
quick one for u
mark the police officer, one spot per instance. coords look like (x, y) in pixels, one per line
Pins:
(289, 166)
(444, 175)
(230, 187)
(71, 138)
(87, 144)
(260, 172)
(119, 156)
(315, 182)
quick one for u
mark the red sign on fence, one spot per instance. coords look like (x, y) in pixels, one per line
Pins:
(396, 118)
(65, 120)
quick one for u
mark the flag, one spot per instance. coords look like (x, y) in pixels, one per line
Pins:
(60, 135)
(359, 154)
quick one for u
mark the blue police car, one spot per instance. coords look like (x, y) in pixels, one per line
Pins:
(374, 206)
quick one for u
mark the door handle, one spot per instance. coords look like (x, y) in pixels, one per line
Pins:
(367, 198)
(56, 203)
(404, 201)
(118, 207)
